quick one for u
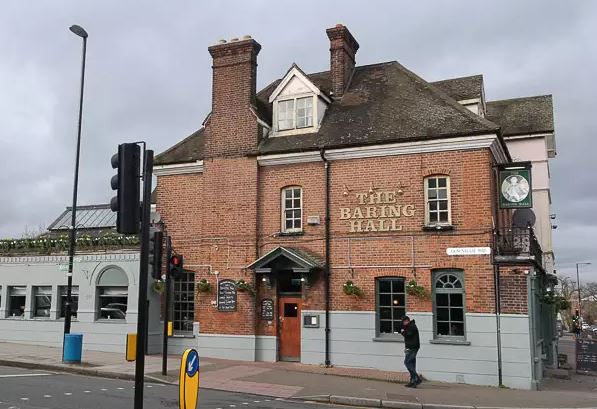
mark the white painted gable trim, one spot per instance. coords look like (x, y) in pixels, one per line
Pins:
(490, 141)
(294, 72)
(178, 168)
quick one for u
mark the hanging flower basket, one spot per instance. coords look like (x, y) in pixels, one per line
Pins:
(158, 287)
(203, 286)
(413, 288)
(559, 302)
(350, 288)
(243, 286)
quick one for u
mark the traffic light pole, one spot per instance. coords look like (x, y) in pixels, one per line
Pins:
(143, 278)
(166, 307)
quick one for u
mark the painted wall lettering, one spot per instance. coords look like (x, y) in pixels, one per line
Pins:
(377, 211)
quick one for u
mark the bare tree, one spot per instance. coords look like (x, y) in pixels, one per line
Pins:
(567, 289)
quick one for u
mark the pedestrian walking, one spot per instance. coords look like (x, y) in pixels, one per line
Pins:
(410, 332)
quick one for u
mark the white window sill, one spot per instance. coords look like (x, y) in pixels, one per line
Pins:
(113, 321)
(182, 336)
(389, 339)
(448, 341)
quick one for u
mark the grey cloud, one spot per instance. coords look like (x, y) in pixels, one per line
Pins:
(149, 77)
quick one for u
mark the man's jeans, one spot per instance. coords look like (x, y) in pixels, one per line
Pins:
(410, 361)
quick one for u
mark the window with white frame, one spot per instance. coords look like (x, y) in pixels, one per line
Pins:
(112, 294)
(74, 306)
(292, 209)
(17, 298)
(42, 301)
(295, 113)
(437, 198)
(391, 306)
(449, 302)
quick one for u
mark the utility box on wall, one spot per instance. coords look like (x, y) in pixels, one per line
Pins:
(311, 321)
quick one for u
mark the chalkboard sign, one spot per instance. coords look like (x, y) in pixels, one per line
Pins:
(267, 309)
(227, 295)
(586, 355)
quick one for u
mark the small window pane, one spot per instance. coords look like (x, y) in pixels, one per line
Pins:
(442, 300)
(385, 300)
(443, 328)
(456, 300)
(441, 182)
(443, 205)
(457, 328)
(456, 314)
(385, 313)
(290, 310)
(431, 183)
(398, 299)
(432, 194)
(385, 327)
(385, 286)
(398, 286)
(397, 326)
(443, 314)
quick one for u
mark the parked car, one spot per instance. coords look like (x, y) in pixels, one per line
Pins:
(114, 311)
(585, 326)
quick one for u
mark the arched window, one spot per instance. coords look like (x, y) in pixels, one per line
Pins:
(112, 292)
(437, 201)
(449, 303)
(292, 209)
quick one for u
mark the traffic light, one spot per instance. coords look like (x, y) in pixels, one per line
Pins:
(175, 265)
(156, 240)
(126, 183)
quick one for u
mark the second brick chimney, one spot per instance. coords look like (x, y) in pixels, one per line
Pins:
(232, 128)
(343, 48)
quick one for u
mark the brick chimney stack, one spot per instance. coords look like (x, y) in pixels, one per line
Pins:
(343, 48)
(232, 128)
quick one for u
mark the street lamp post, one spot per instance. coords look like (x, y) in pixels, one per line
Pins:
(578, 288)
(79, 31)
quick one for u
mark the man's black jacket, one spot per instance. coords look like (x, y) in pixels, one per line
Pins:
(411, 336)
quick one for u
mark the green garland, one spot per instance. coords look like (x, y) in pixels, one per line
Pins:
(350, 288)
(62, 243)
(243, 286)
(413, 288)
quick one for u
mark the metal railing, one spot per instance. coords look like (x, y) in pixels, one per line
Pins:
(519, 242)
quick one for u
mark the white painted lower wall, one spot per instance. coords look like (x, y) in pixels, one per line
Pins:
(352, 344)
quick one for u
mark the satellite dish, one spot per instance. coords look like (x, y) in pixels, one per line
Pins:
(523, 218)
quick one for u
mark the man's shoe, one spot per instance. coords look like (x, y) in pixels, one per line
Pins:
(410, 385)
(419, 381)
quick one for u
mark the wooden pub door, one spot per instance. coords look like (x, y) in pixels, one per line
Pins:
(289, 324)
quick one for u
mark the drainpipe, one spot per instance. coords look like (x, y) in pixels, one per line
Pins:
(496, 279)
(327, 258)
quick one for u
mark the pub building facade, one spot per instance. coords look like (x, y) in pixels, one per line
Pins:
(312, 215)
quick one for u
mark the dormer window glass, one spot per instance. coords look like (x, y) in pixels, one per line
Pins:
(295, 113)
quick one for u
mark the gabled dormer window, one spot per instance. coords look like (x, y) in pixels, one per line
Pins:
(295, 113)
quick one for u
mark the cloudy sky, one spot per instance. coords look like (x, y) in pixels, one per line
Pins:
(149, 77)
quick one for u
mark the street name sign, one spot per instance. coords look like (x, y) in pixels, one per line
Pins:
(468, 251)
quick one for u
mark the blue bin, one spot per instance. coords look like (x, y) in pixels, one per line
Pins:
(73, 347)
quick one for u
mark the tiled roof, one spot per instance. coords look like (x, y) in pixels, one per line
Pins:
(384, 103)
(522, 116)
(462, 88)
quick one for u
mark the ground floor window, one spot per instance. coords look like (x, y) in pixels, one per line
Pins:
(112, 293)
(391, 305)
(448, 298)
(17, 298)
(42, 301)
(183, 308)
(74, 298)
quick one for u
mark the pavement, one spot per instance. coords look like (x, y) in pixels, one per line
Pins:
(35, 389)
(358, 387)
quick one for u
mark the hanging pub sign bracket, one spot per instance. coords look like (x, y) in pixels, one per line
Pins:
(515, 186)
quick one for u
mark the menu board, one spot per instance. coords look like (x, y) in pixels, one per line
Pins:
(227, 295)
(586, 355)
(267, 309)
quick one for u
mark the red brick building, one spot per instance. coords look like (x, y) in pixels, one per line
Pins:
(313, 214)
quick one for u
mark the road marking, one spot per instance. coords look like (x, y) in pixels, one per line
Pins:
(103, 389)
(86, 391)
(47, 396)
(24, 398)
(24, 375)
(149, 386)
(120, 389)
(68, 393)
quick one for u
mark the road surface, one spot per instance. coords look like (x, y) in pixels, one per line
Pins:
(33, 389)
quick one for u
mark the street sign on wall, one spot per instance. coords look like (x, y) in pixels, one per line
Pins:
(515, 186)
(468, 251)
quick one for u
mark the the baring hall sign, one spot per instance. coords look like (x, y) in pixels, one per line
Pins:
(376, 212)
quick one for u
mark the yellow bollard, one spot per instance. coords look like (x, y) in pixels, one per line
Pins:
(170, 328)
(131, 347)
